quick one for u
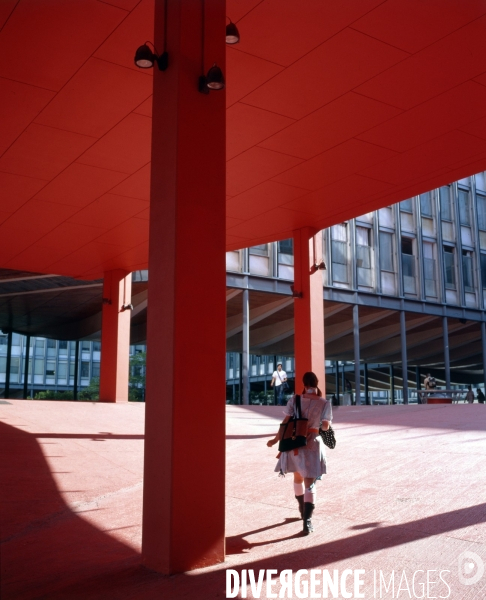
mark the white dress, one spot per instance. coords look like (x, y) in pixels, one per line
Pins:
(309, 461)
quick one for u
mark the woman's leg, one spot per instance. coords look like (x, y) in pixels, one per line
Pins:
(309, 503)
(299, 492)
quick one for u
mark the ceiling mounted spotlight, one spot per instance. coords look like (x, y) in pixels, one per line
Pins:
(145, 58)
(232, 33)
(214, 80)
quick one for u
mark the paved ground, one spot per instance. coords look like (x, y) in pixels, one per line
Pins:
(405, 493)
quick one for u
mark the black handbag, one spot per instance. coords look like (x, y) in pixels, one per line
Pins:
(293, 434)
(328, 437)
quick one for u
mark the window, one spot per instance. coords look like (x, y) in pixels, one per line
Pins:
(449, 269)
(445, 204)
(483, 269)
(62, 370)
(363, 256)
(63, 345)
(467, 271)
(464, 207)
(386, 251)
(406, 205)
(286, 247)
(363, 236)
(429, 269)
(3, 340)
(481, 203)
(85, 369)
(285, 259)
(51, 343)
(95, 369)
(96, 346)
(85, 346)
(261, 250)
(40, 347)
(339, 252)
(408, 266)
(38, 367)
(407, 257)
(426, 204)
(50, 368)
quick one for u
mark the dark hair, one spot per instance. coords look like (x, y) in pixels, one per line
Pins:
(310, 380)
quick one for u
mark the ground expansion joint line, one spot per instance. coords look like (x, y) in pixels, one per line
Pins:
(82, 503)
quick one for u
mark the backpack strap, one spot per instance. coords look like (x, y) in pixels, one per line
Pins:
(298, 409)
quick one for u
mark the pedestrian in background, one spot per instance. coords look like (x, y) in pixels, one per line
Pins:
(279, 378)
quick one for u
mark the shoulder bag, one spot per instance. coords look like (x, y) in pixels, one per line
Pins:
(285, 385)
(293, 434)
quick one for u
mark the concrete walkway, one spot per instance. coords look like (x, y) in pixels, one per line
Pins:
(405, 493)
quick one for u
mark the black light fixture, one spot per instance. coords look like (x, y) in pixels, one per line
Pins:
(320, 266)
(232, 33)
(145, 58)
(214, 79)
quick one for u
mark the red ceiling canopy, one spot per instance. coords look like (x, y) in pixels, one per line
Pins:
(334, 109)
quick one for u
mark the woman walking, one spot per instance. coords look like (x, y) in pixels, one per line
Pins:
(309, 462)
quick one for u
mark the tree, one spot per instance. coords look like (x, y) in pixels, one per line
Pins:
(136, 381)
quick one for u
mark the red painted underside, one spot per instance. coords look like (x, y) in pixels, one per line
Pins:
(334, 109)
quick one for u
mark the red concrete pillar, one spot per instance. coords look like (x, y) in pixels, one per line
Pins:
(184, 465)
(308, 309)
(115, 336)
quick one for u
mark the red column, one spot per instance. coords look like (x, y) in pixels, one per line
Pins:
(115, 336)
(308, 309)
(184, 468)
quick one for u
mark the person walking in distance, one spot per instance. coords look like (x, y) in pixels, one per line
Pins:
(469, 395)
(480, 396)
(308, 462)
(279, 377)
(429, 384)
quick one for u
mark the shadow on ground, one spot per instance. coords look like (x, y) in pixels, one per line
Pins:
(49, 551)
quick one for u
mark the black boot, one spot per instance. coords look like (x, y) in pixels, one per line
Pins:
(308, 510)
(300, 500)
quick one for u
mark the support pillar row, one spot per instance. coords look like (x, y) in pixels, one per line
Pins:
(403, 343)
(246, 348)
(447, 363)
(184, 459)
(309, 307)
(115, 336)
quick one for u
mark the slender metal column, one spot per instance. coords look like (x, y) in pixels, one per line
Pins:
(447, 363)
(366, 390)
(240, 380)
(8, 365)
(26, 367)
(418, 382)
(403, 339)
(392, 383)
(357, 370)
(337, 380)
(483, 340)
(246, 348)
(76, 370)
